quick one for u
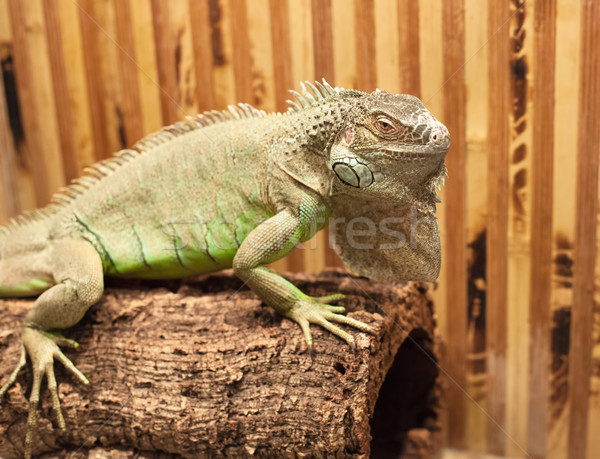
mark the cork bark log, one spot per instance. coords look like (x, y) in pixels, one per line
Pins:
(201, 368)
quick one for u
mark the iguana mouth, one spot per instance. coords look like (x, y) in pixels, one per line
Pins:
(408, 151)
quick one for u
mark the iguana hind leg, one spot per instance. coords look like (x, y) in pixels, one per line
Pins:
(77, 270)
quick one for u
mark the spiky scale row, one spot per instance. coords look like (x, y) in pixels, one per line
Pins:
(319, 93)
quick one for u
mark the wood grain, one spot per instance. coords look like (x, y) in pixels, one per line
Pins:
(345, 55)
(497, 226)
(282, 52)
(242, 64)
(165, 58)
(222, 48)
(366, 53)
(201, 368)
(203, 57)
(96, 91)
(588, 156)
(541, 221)
(8, 168)
(566, 104)
(43, 164)
(387, 31)
(519, 226)
(300, 25)
(61, 90)
(476, 34)
(77, 84)
(131, 103)
(322, 40)
(456, 245)
(408, 45)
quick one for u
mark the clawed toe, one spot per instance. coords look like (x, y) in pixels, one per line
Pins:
(43, 349)
(13, 376)
(317, 311)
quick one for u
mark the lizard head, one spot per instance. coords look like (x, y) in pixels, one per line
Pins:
(386, 162)
(391, 147)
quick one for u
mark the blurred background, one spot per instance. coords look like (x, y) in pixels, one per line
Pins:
(517, 83)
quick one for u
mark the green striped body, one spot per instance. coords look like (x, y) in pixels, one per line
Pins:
(177, 212)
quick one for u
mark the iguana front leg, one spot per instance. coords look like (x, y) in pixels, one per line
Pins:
(272, 240)
(77, 270)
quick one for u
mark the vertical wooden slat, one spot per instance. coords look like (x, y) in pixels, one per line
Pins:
(130, 100)
(282, 55)
(44, 98)
(408, 25)
(387, 32)
(110, 56)
(8, 168)
(77, 91)
(9, 191)
(222, 49)
(585, 230)
(300, 25)
(25, 181)
(203, 57)
(476, 34)
(61, 90)
(262, 79)
(180, 27)
(242, 63)
(455, 210)
(343, 25)
(497, 228)
(565, 166)
(145, 56)
(323, 40)
(519, 227)
(165, 59)
(36, 100)
(541, 221)
(593, 440)
(366, 71)
(96, 89)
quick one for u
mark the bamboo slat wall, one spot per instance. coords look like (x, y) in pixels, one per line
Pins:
(516, 81)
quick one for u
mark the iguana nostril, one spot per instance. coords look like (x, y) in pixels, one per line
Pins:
(437, 137)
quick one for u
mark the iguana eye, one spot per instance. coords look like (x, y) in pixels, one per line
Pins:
(385, 125)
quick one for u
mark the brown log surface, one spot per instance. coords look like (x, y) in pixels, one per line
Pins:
(201, 368)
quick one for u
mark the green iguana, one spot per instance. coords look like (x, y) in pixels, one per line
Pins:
(233, 189)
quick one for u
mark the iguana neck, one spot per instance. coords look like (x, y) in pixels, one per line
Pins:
(315, 127)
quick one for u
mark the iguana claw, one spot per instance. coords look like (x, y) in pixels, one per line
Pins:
(42, 348)
(316, 310)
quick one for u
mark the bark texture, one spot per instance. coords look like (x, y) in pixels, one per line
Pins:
(201, 368)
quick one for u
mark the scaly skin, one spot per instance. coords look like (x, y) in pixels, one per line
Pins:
(233, 189)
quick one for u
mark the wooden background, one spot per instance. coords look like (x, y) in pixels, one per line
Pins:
(516, 82)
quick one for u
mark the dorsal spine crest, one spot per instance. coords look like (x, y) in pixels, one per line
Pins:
(315, 94)
(95, 173)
